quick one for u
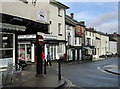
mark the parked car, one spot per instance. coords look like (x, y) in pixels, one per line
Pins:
(109, 54)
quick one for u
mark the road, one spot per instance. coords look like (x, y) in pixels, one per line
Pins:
(88, 75)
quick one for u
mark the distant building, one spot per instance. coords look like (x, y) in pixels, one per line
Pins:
(90, 41)
(113, 46)
(116, 37)
(74, 40)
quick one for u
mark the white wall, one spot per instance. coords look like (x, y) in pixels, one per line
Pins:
(72, 34)
(55, 19)
(23, 10)
(113, 47)
(104, 44)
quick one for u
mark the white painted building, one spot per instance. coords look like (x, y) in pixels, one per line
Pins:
(104, 43)
(57, 26)
(70, 36)
(112, 46)
(90, 42)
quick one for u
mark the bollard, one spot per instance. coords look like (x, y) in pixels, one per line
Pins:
(59, 70)
(45, 67)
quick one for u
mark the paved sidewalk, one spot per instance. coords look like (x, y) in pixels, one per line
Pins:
(112, 68)
(49, 80)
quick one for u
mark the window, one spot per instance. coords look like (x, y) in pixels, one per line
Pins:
(59, 29)
(59, 10)
(75, 41)
(69, 39)
(6, 45)
(86, 32)
(78, 29)
(79, 41)
(93, 34)
(90, 33)
(82, 30)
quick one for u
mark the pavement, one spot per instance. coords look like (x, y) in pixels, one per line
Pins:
(111, 68)
(29, 79)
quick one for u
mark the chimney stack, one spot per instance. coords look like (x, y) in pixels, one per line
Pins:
(72, 15)
(115, 34)
(83, 22)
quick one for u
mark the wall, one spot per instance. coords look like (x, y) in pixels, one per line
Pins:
(23, 10)
(55, 19)
(104, 44)
(113, 47)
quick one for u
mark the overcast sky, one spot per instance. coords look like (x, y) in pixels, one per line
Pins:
(103, 16)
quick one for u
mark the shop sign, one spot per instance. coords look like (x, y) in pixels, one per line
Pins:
(40, 40)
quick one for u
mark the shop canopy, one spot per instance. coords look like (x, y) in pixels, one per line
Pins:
(12, 27)
(88, 48)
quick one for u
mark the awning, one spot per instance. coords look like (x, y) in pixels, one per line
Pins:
(88, 48)
(12, 27)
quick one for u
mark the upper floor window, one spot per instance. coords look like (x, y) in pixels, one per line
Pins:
(86, 32)
(90, 33)
(82, 30)
(59, 11)
(59, 29)
(78, 29)
(79, 40)
(75, 41)
(93, 34)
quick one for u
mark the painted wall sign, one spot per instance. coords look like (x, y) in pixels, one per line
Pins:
(42, 16)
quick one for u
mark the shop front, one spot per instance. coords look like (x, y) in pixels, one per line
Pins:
(27, 47)
(8, 43)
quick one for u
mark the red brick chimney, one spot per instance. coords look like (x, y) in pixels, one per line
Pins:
(115, 34)
(72, 15)
(91, 29)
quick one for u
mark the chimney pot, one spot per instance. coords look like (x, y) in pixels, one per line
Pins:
(72, 15)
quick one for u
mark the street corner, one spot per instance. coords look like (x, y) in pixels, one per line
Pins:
(111, 68)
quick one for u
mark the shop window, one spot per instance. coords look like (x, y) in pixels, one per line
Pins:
(6, 45)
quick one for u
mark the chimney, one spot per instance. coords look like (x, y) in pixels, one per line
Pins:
(72, 15)
(83, 22)
(115, 34)
(91, 29)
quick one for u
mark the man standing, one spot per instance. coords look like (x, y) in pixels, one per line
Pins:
(49, 59)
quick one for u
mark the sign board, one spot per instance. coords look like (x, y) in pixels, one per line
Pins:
(40, 40)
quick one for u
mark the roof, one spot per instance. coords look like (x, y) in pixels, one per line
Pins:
(111, 39)
(74, 22)
(112, 35)
(87, 29)
(59, 4)
(78, 23)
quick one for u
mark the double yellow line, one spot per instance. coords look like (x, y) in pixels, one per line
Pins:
(69, 83)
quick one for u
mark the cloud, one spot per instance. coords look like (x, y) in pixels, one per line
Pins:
(108, 27)
(105, 18)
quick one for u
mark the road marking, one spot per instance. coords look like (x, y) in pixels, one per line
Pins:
(99, 68)
(69, 83)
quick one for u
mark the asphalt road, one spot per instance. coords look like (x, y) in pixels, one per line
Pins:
(89, 76)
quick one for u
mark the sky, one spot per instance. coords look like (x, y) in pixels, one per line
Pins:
(103, 16)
